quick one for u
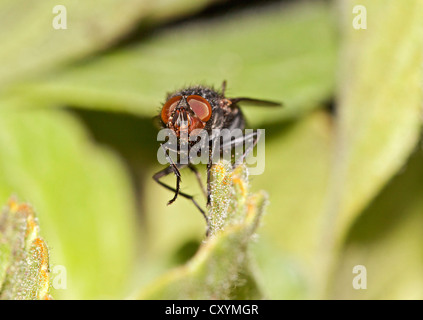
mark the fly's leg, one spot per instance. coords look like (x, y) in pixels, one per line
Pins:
(231, 145)
(164, 173)
(197, 175)
(209, 165)
(254, 136)
(168, 171)
(175, 169)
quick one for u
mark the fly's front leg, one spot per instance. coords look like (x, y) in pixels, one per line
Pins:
(208, 184)
(168, 171)
(175, 169)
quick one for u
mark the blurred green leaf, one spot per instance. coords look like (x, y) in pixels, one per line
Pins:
(221, 268)
(30, 45)
(387, 240)
(296, 177)
(322, 178)
(379, 106)
(24, 263)
(281, 52)
(82, 194)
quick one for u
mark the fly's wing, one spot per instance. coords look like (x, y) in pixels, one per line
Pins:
(255, 102)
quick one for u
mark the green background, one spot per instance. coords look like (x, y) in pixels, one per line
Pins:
(343, 157)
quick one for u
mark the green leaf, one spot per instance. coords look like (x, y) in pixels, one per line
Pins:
(83, 196)
(285, 53)
(221, 269)
(30, 45)
(387, 240)
(24, 263)
(379, 105)
(296, 176)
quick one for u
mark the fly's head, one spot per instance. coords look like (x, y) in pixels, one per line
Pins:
(190, 109)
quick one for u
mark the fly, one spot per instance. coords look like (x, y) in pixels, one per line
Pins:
(202, 109)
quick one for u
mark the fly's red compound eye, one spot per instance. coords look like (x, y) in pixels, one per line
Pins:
(200, 106)
(168, 107)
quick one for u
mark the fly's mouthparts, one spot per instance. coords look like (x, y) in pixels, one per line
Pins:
(180, 124)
